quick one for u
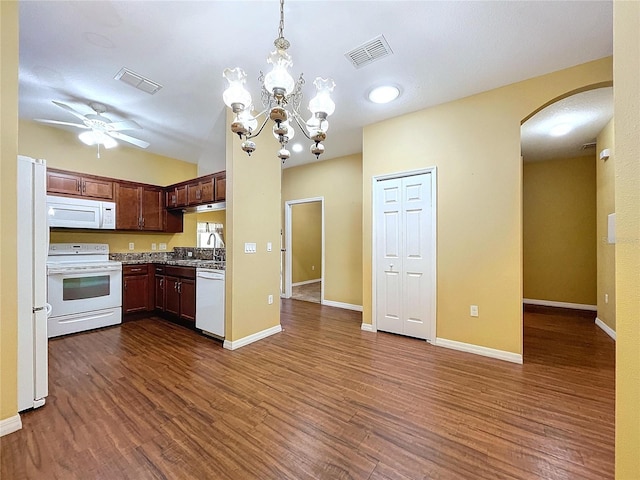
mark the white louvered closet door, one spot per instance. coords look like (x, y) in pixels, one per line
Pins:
(404, 251)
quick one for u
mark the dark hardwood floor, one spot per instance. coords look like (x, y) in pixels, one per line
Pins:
(321, 400)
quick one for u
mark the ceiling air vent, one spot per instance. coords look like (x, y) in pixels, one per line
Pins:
(589, 145)
(138, 81)
(369, 52)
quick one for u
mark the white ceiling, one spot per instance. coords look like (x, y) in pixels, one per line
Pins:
(586, 112)
(71, 50)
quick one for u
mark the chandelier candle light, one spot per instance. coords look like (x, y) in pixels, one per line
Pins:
(281, 99)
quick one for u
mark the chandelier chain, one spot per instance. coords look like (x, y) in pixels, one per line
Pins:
(281, 27)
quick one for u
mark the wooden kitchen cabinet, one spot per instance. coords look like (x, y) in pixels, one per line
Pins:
(200, 192)
(159, 288)
(177, 196)
(77, 185)
(135, 289)
(187, 290)
(220, 189)
(139, 207)
(175, 292)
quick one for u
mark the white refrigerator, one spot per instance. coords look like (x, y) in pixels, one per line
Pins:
(33, 246)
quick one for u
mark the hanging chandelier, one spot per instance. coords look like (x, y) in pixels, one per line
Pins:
(281, 98)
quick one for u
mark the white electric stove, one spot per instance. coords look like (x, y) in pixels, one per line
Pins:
(84, 288)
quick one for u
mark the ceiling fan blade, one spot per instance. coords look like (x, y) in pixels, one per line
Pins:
(70, 110)
(127, 138)
(123, 125)
(55, 122)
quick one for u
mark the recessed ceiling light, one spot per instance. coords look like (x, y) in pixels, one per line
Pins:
(384, 94)
(561, 129)
(297, 148)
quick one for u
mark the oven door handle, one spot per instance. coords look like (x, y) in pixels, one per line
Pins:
(82, 270)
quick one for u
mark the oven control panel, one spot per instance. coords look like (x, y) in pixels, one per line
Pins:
(78, 249)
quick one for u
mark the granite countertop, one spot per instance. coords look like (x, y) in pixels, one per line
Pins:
(214, 264)
(213, 258)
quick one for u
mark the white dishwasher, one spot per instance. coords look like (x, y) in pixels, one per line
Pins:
(210, 301)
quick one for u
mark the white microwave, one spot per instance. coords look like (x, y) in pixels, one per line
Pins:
(67, 212)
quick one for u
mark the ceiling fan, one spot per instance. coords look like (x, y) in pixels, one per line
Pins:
(100, 129)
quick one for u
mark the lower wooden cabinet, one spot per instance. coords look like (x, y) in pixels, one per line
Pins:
(135, 289)
(175, 292)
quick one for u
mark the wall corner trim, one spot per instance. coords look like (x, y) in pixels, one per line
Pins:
(367, 327)
(479, 350)
(607, 329)
(229, 345)
(551, 303)
(347, 306)
(10, 425)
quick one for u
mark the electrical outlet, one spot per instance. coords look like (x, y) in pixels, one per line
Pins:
(163, 246)
(131, 246)
(313, 267)
(189, 254)
(473, 311)
(606, 298)
(270, 299)
(154, 246)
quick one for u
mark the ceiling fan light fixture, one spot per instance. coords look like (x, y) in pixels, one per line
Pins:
(94, 137)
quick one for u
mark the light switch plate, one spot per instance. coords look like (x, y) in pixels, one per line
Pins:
(249, 248)
(163, 246)
(269, 246)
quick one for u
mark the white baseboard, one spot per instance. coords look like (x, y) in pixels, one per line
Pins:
(478, 350)
(10, 425)
(551, 303)
(306, 282)
(367, 327)
(229, 345)
(607, 329)
(347, 306)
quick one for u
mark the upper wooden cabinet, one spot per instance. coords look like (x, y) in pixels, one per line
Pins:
(176, 196)
(139, 207)
(200, 191)
(69, 183)
(220, 182)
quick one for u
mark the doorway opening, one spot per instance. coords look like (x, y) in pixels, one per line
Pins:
(567, 194)
(304, 256)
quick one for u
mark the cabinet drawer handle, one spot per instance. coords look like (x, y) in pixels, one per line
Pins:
(180, 287)
(125, 285)
(162, 283)
(136, 269)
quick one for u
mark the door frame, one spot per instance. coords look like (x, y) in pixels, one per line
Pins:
(434, 212)
(288, 206)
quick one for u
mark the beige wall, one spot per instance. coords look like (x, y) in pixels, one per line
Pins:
(475, 143)
(626, 96)
(253, 215)
(606, 202)
(62, 149)
(8, 208)
(339, 181)
(559, 230)
(306, 242)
